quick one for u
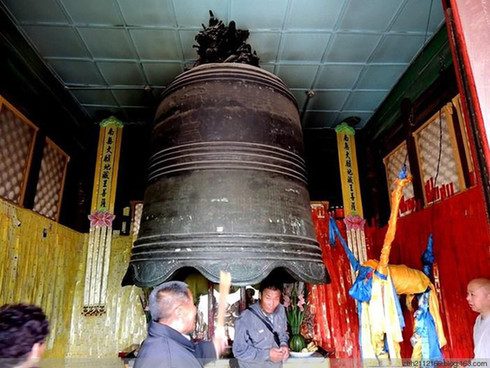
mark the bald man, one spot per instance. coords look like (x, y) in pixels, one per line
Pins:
(168, 344)
(479, 300)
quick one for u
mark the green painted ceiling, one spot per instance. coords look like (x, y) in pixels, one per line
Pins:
(117, 56)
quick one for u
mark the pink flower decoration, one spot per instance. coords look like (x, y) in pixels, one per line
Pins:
(288, 289)
(301, 302)
(287, 301)
(101, 219)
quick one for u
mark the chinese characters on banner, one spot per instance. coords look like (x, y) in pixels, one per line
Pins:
(101, 217)
(348, 170)
(107, 165)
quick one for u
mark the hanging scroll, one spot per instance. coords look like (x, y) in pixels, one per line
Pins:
(101, 216)
(350, 191)
(349, 175)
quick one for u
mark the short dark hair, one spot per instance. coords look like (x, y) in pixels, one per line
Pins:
(270, 283)
(164, 297)
(21, 326)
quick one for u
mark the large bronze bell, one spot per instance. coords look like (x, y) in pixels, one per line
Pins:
(226, 182)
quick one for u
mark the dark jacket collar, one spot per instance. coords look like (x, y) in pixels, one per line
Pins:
(158, 330)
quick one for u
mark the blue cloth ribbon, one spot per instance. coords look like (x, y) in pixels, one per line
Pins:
(428, 257)
(426, 329)
(361, 289)
(334, 232)
(403, 173)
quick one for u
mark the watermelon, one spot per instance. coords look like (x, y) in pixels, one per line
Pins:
(297, 343)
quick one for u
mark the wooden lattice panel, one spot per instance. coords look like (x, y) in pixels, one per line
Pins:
(49, 190)
(17, 137)
(439, 179)
(394, 162)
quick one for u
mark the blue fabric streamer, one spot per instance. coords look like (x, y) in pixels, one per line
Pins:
(361, 289)
(426, 329)
(428, 257)
(331, 232)
(403, 172)
(333, 229)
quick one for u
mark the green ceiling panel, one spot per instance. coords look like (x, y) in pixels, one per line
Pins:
(350, 52)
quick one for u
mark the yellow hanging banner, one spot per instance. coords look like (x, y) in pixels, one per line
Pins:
(101, 217)
(107, 165)
(349, 174)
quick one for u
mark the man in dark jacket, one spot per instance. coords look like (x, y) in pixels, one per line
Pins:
(168, 344)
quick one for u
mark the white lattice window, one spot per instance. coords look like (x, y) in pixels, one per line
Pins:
(394, 163)
(17, 138)
(49, 190)
(441, 177)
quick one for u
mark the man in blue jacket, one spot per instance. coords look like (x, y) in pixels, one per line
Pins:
(168, 344)
(261, 338)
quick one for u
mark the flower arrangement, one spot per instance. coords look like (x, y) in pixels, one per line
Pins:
(295, 303)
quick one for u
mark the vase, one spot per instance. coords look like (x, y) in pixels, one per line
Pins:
(297, 341)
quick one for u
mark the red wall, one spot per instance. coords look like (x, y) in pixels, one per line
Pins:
(462, 252)
(336, 321)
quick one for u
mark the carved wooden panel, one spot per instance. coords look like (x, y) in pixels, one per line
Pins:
(49, 190)
(439, 159)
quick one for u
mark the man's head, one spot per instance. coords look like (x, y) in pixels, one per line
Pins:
(478, 296)
(171, 304)
(23, 330)
(270, 295)
(250, 293)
